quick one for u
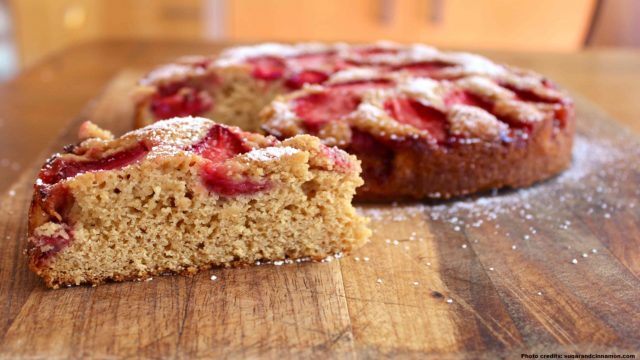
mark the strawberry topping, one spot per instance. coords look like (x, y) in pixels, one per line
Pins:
(416, 114)
(296, 81)
(376, 51)
(563, 107)
(185, 101)
(336, 102)
(320, 108)
(170, 88)
(218, 145)
(56, 199)
(363, 85)
(61, 168)
(530, 96)
(319, 60)
(217, 179)
(267, 68)
(458, 96)
(424, 68)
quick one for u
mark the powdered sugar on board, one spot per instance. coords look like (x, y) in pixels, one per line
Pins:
(593, 182)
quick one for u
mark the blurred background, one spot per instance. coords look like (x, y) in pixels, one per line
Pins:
(30, 30)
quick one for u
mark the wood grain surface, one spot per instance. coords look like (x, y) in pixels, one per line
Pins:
(486, 277)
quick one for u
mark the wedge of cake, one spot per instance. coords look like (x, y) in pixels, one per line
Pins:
(188, 194)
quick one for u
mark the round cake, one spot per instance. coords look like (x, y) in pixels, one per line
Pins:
(425, 123)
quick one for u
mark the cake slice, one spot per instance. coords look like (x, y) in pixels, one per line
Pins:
(188, 194)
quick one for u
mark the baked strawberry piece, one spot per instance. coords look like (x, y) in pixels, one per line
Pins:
(419, 137)
(187, 194)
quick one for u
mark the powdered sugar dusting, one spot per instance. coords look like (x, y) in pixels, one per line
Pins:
(271, 153)
(424, 88)
(176, 132)
(587, 155)
(474, 122)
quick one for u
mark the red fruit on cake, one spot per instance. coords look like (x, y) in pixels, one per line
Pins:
(234, 86)
(187, 194)
(424, 123)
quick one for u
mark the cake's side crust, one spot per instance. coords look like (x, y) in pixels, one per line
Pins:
(415, 171)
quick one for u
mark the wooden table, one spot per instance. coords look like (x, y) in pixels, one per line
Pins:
(476, 278)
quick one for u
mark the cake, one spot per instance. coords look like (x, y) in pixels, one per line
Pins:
(425, 123)
(187, 194)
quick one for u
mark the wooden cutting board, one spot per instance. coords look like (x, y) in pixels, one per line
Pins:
(550, 269)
